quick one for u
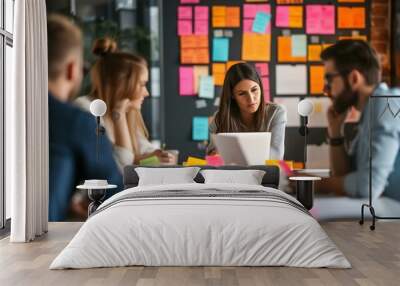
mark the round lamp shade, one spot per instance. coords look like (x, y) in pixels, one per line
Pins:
(305, 107)
(98, 107)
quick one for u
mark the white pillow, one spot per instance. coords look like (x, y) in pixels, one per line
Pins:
(166, 176)
(248, 177)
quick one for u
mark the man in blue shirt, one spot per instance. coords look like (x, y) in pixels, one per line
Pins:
(352, 75)
(72, 132)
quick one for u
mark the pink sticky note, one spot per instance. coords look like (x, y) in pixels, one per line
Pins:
(201, 12)
(320, 19)
(248, 26)
(215, 160)
(201, 27)
(184, 27)
(185, 12)
(250, 10)
(262, 69)
(186, 81)
(265, 82)
(282, 16)
(190, 1)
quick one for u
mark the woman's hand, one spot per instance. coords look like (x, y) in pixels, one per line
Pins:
(164, 156)
(123, 106)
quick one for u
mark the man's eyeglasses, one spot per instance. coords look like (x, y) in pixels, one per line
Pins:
(328, 78)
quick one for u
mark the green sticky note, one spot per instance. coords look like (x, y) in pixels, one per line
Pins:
(151, 161)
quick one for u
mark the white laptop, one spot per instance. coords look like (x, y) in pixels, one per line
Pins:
(245, 148)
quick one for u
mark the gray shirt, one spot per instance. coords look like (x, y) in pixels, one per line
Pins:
(275, 122)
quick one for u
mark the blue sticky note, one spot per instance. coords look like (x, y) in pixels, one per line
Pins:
(220, 49)
(206, 89)
(299, 45)
(261, 21)
(200, 128)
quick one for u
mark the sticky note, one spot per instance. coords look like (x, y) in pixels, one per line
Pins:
(219, 16)
(200, 128)
(190, 1)
(260, 22)
(314, 52)
(282, 16)
(194, 42)
(299, 45)
(248, 25)
(198, 72)
(218, 71)
(318, 117)
(265, 83)
(351, 1)
(193, 161)
(256, 47)
(186, 81)
(206, 89)
(214, 160)
(150, 161)
(185, 12)
(195, 56)
(295, 16)
(316, 79)
(201, 103)
(220, 49)
(232, 17)
(262, 69)
(201, 12)
(320, 19)
(250, 10)
(289, 1)
(201, 27)
(290, 105)
(291, 79)
(285, 50)
(351, 17)
(184, 27)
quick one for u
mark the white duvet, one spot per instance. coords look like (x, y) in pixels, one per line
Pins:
(202, 231)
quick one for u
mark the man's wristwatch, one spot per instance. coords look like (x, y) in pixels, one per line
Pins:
(336, 141)
(115, 115)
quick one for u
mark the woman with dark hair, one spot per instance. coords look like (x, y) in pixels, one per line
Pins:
(243, 109)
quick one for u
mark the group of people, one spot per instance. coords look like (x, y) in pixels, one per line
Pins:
(352, 75)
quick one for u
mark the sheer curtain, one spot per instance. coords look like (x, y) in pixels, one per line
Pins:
(27, 124)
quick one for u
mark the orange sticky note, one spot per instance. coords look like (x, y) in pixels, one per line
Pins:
(316, 79)
(351, 1)
(256, 47)
(218, 71)
(232, 19)
(296, 17)
(351, 17)
(194, 41)
(195, 56)
(219, 16)
(314, 52)
(285, 50)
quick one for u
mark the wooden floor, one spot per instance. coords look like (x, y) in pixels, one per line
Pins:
(375, 257)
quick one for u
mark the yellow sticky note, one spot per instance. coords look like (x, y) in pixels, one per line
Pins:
(355, 37)
(218, 71)
(316, 79)
(314, 52)
(256, 47)
(296, 17)
(193, 161)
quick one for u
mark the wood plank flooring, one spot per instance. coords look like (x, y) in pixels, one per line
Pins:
(375, 257)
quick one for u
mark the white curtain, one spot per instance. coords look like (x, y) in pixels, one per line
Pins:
(27, 124)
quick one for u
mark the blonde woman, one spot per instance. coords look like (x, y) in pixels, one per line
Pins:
(120, 80)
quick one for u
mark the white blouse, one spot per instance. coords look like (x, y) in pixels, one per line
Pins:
(122, 155)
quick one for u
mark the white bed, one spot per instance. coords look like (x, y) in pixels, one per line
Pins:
(225, 225)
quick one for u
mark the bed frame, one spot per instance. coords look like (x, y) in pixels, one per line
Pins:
(270, 179)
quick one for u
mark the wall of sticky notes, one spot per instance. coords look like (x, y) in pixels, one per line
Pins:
(281, 38)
